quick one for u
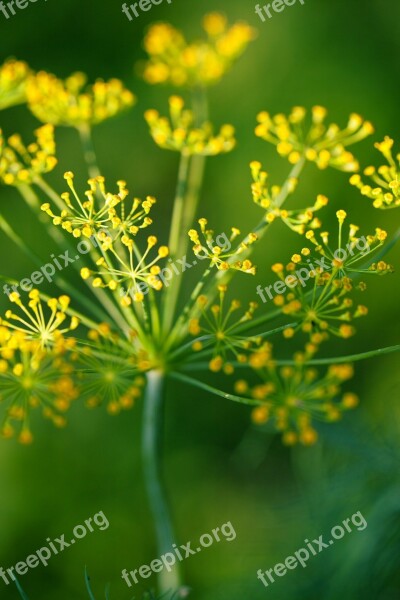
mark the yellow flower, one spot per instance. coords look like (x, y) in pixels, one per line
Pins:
(180, 134)
(13, 77)
(173, 60)
(291, 397)
(72, 103)
(124, 264)
(100, 210)
(20, 164)
(46, 333)
(324, 145)
(218, 330)
(269, 198)
(222, 255)
(385, 191)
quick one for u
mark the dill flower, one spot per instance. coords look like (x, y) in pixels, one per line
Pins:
(269, 198)
(13, 77)
(74, 104)
(31, 382)
(385, 191)
(351, 253)
(218, 255)
(217, 328)
(36, 364)
(124, 264)
(20, 164)
(324, 145)
(293, 397)
(46, 332)
(327, 307)
(100, 210)
(108, 371)
(201, 63)
(180, 134)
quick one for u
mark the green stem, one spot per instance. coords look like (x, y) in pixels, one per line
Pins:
(88, 150)
(176, 233)
(213, 390)
(316, 361)
(345, 359)
(151, 454)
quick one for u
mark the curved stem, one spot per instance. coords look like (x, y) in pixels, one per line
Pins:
(213, 390)
(169, 581)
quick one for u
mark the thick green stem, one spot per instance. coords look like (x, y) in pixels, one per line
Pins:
(151, 454)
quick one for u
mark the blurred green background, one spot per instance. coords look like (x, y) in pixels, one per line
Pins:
(343, 55)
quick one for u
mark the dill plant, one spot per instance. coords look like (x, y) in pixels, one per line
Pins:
(129, 337)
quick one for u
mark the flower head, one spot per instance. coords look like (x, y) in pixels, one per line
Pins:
(217, 327)
(327, 307)
(291, 397)
(222, 255)
(36, 363)
(32, 380)
(122, 263)
(47, 332)
(180, 134)
(269, 199)
(108, 372)
(13, 77)
(324, 145)
(72, 104)
(100, 210)
(202, 63)
(385, 188)
(20, 164)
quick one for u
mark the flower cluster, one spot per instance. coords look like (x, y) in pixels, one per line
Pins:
(13, 77)
(109, 372)
(202, 63)
(291, 397)
(269, 198)
(123, 264)
(45, 332)
(219, 330)
(324, 145)
(219, 257)
(20, 164)
(180, 134)
(72, 104)
(385, 191)
(36, 364)
(100, 210)
(327, 307)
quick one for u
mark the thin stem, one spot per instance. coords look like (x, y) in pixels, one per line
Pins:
(213, 390)
(176, 232)
(317, 361)
(151, 454)
(88, 150)
(176, 241)
(345, 359)
(191, 174)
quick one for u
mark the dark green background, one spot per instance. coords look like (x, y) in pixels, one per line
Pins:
(341, 54)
